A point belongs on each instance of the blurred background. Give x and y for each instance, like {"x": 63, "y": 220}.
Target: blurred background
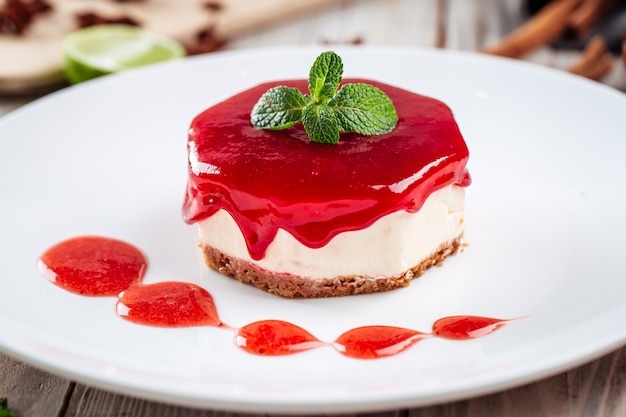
{"x": 585, "y": 37}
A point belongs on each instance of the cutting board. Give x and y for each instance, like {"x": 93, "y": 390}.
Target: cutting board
{"x": 33, "y": 62}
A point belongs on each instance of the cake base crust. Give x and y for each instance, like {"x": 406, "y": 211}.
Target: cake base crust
{"x": 292, "y": 286}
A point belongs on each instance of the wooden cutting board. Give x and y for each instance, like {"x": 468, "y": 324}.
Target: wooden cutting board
{"x": 33, "y": 62}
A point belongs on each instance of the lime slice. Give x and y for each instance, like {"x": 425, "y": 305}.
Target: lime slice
{"x": 105, "y": 49}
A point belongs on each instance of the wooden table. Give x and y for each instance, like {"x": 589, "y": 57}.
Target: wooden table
{"x": 595, "y": 389}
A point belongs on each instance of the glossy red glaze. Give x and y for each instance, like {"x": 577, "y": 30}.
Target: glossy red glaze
{"x": 93, "y": 265}
{"x": 275, "y": 337}
{"x": 168, "y": 304}
{"x": 371, "y": 342}
{"x": 268, "y": 179}
{"x": 466, "y": 327}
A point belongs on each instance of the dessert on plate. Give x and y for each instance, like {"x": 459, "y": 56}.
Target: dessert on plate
{"x": 364, "y": 198}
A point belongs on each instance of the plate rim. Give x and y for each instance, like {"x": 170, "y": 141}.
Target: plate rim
{"x": 347, "y": 406}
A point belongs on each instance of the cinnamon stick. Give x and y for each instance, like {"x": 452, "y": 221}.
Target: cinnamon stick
{"x": 440, "y": 34}
{"x": 585, "y": 17}
{"x": 546, "y": 26}
{"x": 595, "y": 61}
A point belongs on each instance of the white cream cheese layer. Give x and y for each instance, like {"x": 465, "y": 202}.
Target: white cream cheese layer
{"x": 392, "y": 245}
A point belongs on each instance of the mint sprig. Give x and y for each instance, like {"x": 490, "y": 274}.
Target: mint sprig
{"x": 327, "y": 111}
{"x": 4, "y": 409}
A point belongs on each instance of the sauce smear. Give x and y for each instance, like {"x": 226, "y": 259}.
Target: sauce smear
{"x": 466, "y": 327}
{"x": 93, "y": 265}
{"x": 371, "y": 342}
{"x": 168, "y": 304}
{"x": 275, "y": 337}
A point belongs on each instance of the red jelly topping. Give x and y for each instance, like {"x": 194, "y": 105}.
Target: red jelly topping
{"x": 271, "y": 179}
{"x": 372, "y": 342}
{"x": 168, "y": 304}
{"x": 93, "y": 265}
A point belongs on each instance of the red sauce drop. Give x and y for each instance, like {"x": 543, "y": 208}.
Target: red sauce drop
{"x": 466, "y": 327}
{"x": 93, "y": 265}
{"x": 102, "y": 266}
{"x": 168, "y": 304}
{"x": 271, "y": 179}
{"x": 275, "y": 337}
{"x": 371, "y": 342}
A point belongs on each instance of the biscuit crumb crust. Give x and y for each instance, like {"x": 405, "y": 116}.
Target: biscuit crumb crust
{"x": 293, "y": 286}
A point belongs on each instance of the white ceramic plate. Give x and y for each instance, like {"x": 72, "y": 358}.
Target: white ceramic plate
{"x": 545, "y": 228}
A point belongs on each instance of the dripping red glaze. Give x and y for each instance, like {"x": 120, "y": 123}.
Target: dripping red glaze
{"x": 466, "y": 327}
{"x": 168, "y": 304}
{"x": 93, "y": 265}
{"x": 275, "y": 337}
{"x": 316, "y": 191}
{"x": 371, "y": 342}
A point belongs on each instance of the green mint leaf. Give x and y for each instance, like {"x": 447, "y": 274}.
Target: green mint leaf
{"x": 359, "y": 108}
{"x": 4, "y": 409}
{"x": 279, "y": 108}
{"x": 325, "y": 76}
{"x": 363, "y": 109}
{"x": 320, "y": 123}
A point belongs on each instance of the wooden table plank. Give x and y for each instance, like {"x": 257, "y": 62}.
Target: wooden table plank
{"x": 32, "y": 392}
{"x": 595, "y": 389}
{"x": 375, "y": 22}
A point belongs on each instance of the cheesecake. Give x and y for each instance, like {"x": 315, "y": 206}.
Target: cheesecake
{"x": 297, "y": 218}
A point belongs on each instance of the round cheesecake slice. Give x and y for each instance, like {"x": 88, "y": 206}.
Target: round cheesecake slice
{"x": 303, "y": 219}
